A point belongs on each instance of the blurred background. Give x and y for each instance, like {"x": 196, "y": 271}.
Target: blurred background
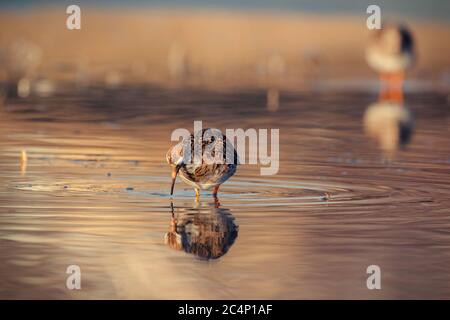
{"x": 299, "y": 45}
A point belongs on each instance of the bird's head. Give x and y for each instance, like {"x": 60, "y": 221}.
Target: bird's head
{"x": 174, "y": 158}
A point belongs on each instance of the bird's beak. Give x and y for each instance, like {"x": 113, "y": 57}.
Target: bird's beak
{"x": 174, "y": 177}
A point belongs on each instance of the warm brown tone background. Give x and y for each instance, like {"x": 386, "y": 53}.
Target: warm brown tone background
{"x": 219, "y": 47}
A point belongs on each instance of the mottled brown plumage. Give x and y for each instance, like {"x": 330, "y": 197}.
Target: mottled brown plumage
{"x": 207, "y": 168}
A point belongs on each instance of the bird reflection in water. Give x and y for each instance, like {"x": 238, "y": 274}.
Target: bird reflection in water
{"x": 389, "y": 122}
{"x": 206, "y": 232}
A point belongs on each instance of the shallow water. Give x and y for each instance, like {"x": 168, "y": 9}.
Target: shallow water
{"x": 94, "y": 193}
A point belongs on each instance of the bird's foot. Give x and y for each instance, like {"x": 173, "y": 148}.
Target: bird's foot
{"x": 197, "y": 195}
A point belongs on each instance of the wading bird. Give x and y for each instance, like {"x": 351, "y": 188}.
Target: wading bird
{"x": 390, "y": 53}
{"x": 215, "y": 165}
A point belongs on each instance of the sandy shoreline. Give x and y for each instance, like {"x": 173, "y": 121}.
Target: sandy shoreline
{"x": 208, "y": 48}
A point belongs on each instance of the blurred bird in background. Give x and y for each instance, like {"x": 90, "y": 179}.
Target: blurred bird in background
{"x": 390, "y": 52}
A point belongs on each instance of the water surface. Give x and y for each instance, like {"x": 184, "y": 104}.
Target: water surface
{"x": 94, "y": 192}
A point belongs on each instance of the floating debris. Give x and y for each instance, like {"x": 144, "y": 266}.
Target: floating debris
{"x": 24, "y": 156}
{"x": 23, "y": 162}
{"x": 326, "y": 197}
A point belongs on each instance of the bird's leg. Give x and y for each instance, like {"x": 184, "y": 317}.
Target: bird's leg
{"x": 216, "y": 202}
{"x": 197, "y": 195}
{"x": 173, "y": 225}
{"x": 216, "y": 199}
{"x": 384, "y": 87}
{"x": 215, "y": 190}
{"x": 173, "y": 221}
{"x": 396, "y": 87}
